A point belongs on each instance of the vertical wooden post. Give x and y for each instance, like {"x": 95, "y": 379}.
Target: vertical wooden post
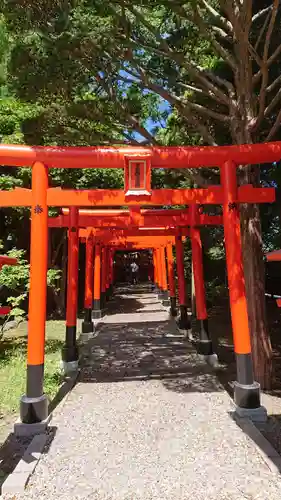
{"x": 155, "y": 276}
{"x": 104, "y": 271}
{"x": 165, "y": 295}
{"x": 246, "y": 390}
{"x": 111, "y": 263}
{"x": 184, "y": 320}
{"x": 159, "y": 273}
{"x": 70, "y": 349}
{"x": 205, "y": 345}
{"x": 34, "y": 404}
{"x": 107, "y": 274}
{"x": 97, "y": 283}
{"x": 87, "y": 324}
{"x": 171, "y": 279}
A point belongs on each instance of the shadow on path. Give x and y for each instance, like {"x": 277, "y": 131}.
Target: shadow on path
{"x": 146, "y": 350}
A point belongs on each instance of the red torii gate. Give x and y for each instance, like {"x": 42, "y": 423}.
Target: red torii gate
{"x": 246, "y": 390}
{"x": 139, "y": 218}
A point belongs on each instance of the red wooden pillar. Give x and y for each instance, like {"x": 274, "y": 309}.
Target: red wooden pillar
{"x": 112, "y": 270}
{"x": 107, "y": 273}
{"x": 171, "y": 279}
{"x": 150, "y": 272}
{"x": 104, "y": 271}
{"x": 97, "y": 283}
{"x": 159, "y": 273}
{"x": 184, "y": 321}
{"x": 111, "y": 264}
{"x": 155, "y": 270}
{"x": 70, "y": 349}
{"x": 87, "y": 324}
{"x": 34, "y": 404}
{"x": 205, "y": 345}
{"x": 165, "y": 295}
{"x": 246, "y": 390}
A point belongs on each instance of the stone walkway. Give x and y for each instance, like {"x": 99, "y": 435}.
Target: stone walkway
{"x": 148, "y": 420}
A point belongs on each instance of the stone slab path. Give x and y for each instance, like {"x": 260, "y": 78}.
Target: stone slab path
{"x": 148, "y": 420}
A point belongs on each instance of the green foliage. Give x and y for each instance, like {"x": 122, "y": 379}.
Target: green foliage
{"x": 13, "y": 364}
{"x": 16, "y": 280}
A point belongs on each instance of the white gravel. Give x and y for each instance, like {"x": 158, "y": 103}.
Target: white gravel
{"x": 127, "y": 433}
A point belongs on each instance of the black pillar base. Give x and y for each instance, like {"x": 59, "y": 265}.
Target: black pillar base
{"x": 107, "y": 295}
{"x": 246, "y": 390}
{"x": 96, "y": 314}
{"x": 87, "y": 327}
{"x": 160, "y": 294}
{"x": 205, "y": 345}
{"x": 173, "y": 308}
{"x": 97, "y": 309}
{"x": 70, "y": 350}
{"x": 70, "y": 353}
{"x": 165, "y": 298}
{"x": 102, "y": 300}
{"x": 33, "y": 410}
{"x": 184, "y": 321}
{"x": 247, "y": 396}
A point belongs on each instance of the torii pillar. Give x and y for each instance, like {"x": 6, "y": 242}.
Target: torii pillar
{"x": 205, "y": 345}
{"x": 34, "y": 403}
{"x": 70, "y": 354}
{"x": 87, "y": 324}
{"x": 171, "y": 279}
{"x": 97, "y": 284}
{"x": 165, "y": 294}
{"x": 246, "y": 389}
{"x": 155, "y": 269}
{"x": 104, "y": 271}
{"x": 184, "y": 322}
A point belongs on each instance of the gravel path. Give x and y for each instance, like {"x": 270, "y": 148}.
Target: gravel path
{"x": 148, "y": 420}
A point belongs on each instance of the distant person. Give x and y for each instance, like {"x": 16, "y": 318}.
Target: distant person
{"x": 134, "y": 271}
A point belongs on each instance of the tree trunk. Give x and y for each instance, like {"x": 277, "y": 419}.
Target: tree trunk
{"x": 255, "y": 284}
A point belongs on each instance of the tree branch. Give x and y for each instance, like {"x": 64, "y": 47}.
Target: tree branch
{"x": 206, "y": 32}
{"x": 261, "y": 13}
{"x": 274, "y": 128}
{"x": 264, "y": 68}
{"x": 261, "y": 33}
{"x": 273, "y": 84}
{"x": 270, "y": 61}
{"x": 196, "y": 72}
{"x": 273, "y": 103}
{"x": 208, "y": 138}
{"x": 217, "y": 16}
{"x": 199, "y": 91}
{"x": 130, "y": 118}
{"x": 270, "y": 29}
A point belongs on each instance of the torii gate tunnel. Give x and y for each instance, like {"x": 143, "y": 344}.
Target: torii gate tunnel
{"x": 137, "y": 163}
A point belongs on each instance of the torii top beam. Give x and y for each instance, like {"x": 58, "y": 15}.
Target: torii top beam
{"x": 124, "y": 221}
{"x": 160, "y": 157}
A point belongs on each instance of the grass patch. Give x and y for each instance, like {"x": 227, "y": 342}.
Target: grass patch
{"x": 13, "y": 348}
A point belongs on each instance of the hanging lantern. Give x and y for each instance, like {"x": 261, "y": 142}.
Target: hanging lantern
{"x": 137, "y": 176}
